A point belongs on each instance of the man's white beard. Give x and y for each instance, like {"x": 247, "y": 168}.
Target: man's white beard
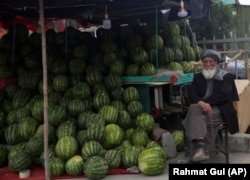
{"x": 209, "y": 74}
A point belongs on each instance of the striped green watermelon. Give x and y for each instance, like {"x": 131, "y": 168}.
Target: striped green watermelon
{"x": 66, "y": 128}
{"x": 77, "y": 106}
{"x": 139, "y": 137}
{"x": 130, "y": 93}
{"x": 154, "y": 41}
{"x": 134, "y": 108}
{"x": 95, "y": 167}
{"x": 60, "y": 83}
{"x": 117, "y": 67}
{"x": 74, "y": 166}
{"x": 56, "y": 166}
{"x": 145, "y": 121}
{"x": 130, "y": 156}
{"x": 27, "y": 127}
{"x": 119, "y": 104}
{"x": 94, "y": 77}
{"x": 66, "y": 147}
{"x": 124, "y": 119}
{"x": 57, "y": 114}
{"x": 11, "y": 134}
{"x": 148, "y": 69}
{"x": 81, "y": 90}
{"x": 95, "y": 132}
{"x": 92, "y": 148}
{"x": 189, "y": 54}
{"x": 20, "y": 147}
{"x": 21, "y": 98}
{"x": 113, "y": 158}
{"x": 174, "y": 66}
{"x": 114, "y": 135}
{"x": 139, "y": 56}
{"x": 152, "y": 161}
{"x": 109, "y": 113}
{"x": 112, "y": 81}
{"x": 35, "y": 146}
{"x": 132, "y": 69}
{"x": 20, "y": 161}
{"x": 166, "y": 55}
{"x": 81, "y": 137}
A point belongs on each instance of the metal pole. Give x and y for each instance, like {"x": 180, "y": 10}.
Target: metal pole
{"x": 45, "y": 93}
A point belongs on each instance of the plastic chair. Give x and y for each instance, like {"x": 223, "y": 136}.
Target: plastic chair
{"x": 221, "y": 142}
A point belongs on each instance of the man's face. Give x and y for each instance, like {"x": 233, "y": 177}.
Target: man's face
{"x": 209, "y": 67}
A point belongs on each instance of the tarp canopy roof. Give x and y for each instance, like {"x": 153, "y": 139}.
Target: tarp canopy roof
{"x": 90, "y": 10}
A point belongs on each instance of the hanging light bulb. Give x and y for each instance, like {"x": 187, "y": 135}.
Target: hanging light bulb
{"x": 106, "y": 22}
{"x": 182, "y": 12}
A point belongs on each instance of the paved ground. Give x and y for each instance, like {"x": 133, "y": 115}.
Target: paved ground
{"x": 234, "y": 158}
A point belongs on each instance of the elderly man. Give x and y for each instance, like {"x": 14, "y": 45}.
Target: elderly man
{"x": 211, "y": 94}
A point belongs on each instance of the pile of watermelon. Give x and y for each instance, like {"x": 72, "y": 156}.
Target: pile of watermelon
{"x": 178, "y": 52}
{"x": 95, "y": 123}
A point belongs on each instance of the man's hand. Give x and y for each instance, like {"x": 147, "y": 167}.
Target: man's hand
{"x": 205, "y": 107}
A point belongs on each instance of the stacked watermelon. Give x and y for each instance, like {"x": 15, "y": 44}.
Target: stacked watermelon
{"x": 95, "y": 124}
{"x": 184, "y": 52}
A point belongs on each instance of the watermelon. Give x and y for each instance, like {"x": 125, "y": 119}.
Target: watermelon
{"x": 174, "y": 66}
{"x": 27, "y": 127}
{"x": 139, "y": 137}
{"x": 20, "y": 161}
{"x": 117, "y": 67}
{"x": 81, "y": 90}
{"x": 132, "y": 70}
{"x": 166, "y": 55}
{"x": 74, "y": 165}
{"x": 67, "y": 128}
{"x": 95, "y": 167}
{"x": 178, "y": 137}
{"x": 187, "y": 66}
{"x": 57, "y": 114}
{"x": 134, "y": 41}
{"x": 112, "y": 81}
{"x": 66, "y": 147}
{"x": 11, "y": 134}
{"x": 109, "y": 113}
{"x": 154, "y": 41}
{"x": 130, "y": 94}
{"x": 130, "y": 156}
{"x": 114, "y": 135}
{"x": 101, "y": 99}
{"x": 134, "y": 108}
{"x": 124, "y": 119}
{"x": 21, "y": 97}
{"x": 56, "y": 166}
{"x": 113, "y": 158}
{"x": 95, "y": 132}
{"x": 20, "y": 147}
{"x": 81, "y": 137}
{"x": 92, "y": 148}
{"x": 139, "y": 56}
{"x": 119, "y": 104}
{"x": 148, "y": 69}
{"x": 35, "y": 146}
{"x": 145, "y": 121}
{"x": 152, "y": 161}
